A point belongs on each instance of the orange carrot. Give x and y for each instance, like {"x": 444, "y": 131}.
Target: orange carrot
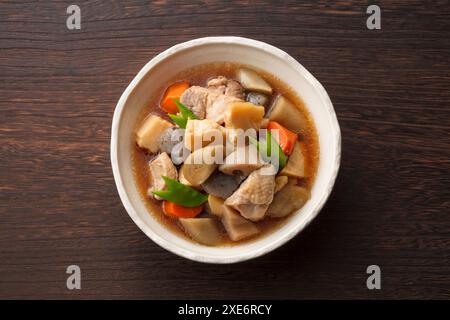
{"x": 286, "y": 138}
{"x": 177, "y": 211}
{"x": 173, "y": 92}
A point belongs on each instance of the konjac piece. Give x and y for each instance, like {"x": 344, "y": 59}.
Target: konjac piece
{"x": 221, "y": 185}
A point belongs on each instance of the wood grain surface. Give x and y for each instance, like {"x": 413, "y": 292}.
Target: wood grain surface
{"x": 390, "y": 205}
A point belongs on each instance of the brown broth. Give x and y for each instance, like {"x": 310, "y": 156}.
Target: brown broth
{"x": 199, "y": 76}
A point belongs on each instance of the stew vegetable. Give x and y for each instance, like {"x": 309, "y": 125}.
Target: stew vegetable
{"x": 229, "y": 154}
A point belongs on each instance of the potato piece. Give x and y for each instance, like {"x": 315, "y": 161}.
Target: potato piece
{"x": 215, "y": 206}
{"x": 204, "y": 230}
{"x": 150, "y": 131}
{"x": 287, "y": 114}
{"x": 244, "y": 115}
{"x": 200, "y": 133}
{"x": 251, "y": 81}
{"x": 288, "y": 200}
{"x": 237, "y": 227}
{"x": 295, "y": 166}
{"x": 200, "y": 164}
{"x": 280, "y": 182}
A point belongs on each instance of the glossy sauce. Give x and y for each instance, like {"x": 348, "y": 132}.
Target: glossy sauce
{"x": 199, "y": 76}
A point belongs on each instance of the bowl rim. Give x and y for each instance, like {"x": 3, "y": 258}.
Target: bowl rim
{"x": 205, "y": 258}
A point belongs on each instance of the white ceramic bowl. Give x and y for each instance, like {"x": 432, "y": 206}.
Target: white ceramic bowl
{"x": 223, "y": 49}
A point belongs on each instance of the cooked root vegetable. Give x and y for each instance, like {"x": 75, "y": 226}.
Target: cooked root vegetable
{"x": 176, "y": 211}
{"x": 181, "y": 194}
{"x": 215, "y": 206}
{"x": 257, "y": 99}
{"x": 221, "y": 185}
{"x": 295, "y": 166}
{"x": 173, "y": 92}
{"x": 243, "y": 115}
{"x": 289, "y": 199}
{"x": 280, "y": 182}
{"x": 183, "y": 180}
{"x": 287, "y": 114}
{"x": 204, "y": 230}
{"x": 200, "y": 164}
{"x": 236, "y": 226}
{"x": 200, "y": 133}
{"x": 159, "y": 167}
{"x": 251, "y": 81}
{"x": 233, "y": 156}
{"x": 286, "y": 138}
{"x": 264, "y": 123}
{"x": 242, "y": 161}
{"x": 149, "y": 133}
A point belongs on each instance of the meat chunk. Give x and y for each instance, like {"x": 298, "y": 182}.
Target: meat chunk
{"x": 159, "y": 167}
{"x": 216, "y": 109}
{"x": 212, "y": 102}
{"x": 228, "y": 87}
{"x": 195, "y": 99}
{"x": 255, "y": 194}
{"x": 237, "y": 227}
{"x": 243, "y": 160}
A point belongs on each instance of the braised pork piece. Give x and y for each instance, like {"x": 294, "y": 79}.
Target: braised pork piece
{"x": 225, "y": 154}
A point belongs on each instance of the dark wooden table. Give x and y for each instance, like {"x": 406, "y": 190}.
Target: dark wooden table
{"x": 390, "y": 205}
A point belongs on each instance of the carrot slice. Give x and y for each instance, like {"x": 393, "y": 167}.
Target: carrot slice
{"x": 286, "y": 138}
{"x": 173, "y": 92}
{"x": 177, "y": 211}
